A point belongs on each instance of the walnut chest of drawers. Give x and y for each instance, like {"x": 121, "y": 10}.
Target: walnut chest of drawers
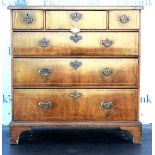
{"x": 75, "y": 67}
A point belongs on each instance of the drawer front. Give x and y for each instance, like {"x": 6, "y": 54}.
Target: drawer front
{"x": 67, "y": 44}
{"x": 79, "y": 104}
{"x": 80, "y": 19}
{"x": 75, "y": 72}
{"x": 124, "y": 19}
{"x": 28, "y": 19}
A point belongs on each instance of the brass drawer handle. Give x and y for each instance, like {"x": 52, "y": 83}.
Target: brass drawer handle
{"x": 106, "y": 104}
{"x": 45, "y": 105}
{"x": 44, "y": 42}
{"x": 124, "y": 19}
{"x": 45, "y": 72}
{"x": 28, "y": 18}
{"x": 75, "y": 38}
{"x": 75, "y": 95}
{"x": 76, "y": 16}
{"x": 106, "y": 71}
{"x": 75, "y": 64}
{"x": 106, "y": 43}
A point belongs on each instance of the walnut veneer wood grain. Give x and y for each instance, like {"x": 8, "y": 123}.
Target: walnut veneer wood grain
{"x": 123, "y": 44}
{"x": 37, "y": 23}
{"x": 65, "y": 107}
{"x": 133, "y": 23}
{"x": 90, "y": 73}
{"x": 88, "y": 20}
{"x": 75, "y": 67}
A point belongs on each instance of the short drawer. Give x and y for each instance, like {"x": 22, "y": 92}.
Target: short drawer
{"x": 28, "y": 19}
{"x": 39, "y": 72}
{"x": 68, "y": 44}
{"x": 75, "y": 104}
{"x": 124, "y": 19}
{"x": 80, "y": 19}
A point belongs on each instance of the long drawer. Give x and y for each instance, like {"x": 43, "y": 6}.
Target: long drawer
{"x": 71, "y": 104}
{"x": 68, "y": 44}
{"x": 42, "y": 72}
